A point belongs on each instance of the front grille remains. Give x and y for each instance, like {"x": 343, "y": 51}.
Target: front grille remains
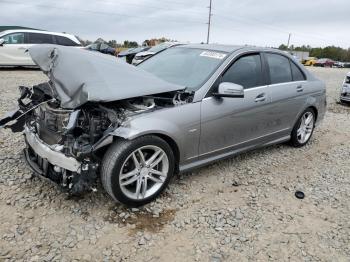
{"x": 50, "y": 123}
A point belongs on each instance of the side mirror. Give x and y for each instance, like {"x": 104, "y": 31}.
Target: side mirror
{"x": 2, "y": 41}
{"x": 227, "y": 89}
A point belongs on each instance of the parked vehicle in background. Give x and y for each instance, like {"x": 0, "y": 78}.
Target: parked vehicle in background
{"x": 324, "y": 62}
{"x": 139, "y": 57}
{"x": 310, "y": 61}
{"x": 345, "y": 91}
{"x": 338, "y": 64}
{"x": 102, "y": 48}
{"x": 14, "y": 43}
{"x": 135, "y": 127}
{"x": 129, "y": 54}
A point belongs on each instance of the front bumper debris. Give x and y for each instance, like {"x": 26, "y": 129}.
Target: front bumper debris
{"x": 47, "y": 161}
{"x": 50, "y": 153}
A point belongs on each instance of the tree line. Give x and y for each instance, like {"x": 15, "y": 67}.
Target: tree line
{"x": 127, "y": 43}
{"x": 332, "y": 52}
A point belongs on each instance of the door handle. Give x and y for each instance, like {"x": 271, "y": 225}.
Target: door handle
{"x": 260, "y": 98}
{"x": 21, "y": 48}
{"x": 300, "y": 88}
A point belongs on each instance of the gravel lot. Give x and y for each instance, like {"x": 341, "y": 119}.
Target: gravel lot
{"x": 241, "y": 209}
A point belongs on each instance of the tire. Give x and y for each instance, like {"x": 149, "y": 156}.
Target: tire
{"x": 344, "y": 102}
{"x": 296, "y": 136}
{"x": 119, "y": 162}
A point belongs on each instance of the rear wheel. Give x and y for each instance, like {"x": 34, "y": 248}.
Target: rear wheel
{"x": 135, "y": 172}
{"x": 303, "y": 129}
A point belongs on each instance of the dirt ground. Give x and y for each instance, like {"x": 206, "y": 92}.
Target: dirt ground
{"x": 240, "y": 209}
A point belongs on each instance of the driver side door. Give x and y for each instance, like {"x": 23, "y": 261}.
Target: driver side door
{"x": 229, "y": 124}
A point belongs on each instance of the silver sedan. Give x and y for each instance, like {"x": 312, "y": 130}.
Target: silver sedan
{"x": 188, "y": 106}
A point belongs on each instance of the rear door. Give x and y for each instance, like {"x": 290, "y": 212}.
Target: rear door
{"x": 287, "y": 89}
{"x": 13, "y": 51}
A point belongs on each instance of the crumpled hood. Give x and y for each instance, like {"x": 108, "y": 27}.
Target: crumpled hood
{"x": 79, "y": 76}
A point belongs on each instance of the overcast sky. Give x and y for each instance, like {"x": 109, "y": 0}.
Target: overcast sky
{"x": 252, "y": 22}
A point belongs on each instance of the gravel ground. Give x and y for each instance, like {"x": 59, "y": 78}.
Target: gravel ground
{"x": 241, "y": 209}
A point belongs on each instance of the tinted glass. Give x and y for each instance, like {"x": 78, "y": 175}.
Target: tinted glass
{"x": 184, "y": 66}
{"x": 246, "y": 71}
{"x": 36, "y": 38}
{"x": 280, "y": 71}
{"x": 297, "y": 74}
{"x": 16, "y": 38}
{"x": 61, "y": 40}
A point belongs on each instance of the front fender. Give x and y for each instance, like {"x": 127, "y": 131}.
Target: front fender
{"x": 140, "y": 128}
{"x": 181, "y": 124}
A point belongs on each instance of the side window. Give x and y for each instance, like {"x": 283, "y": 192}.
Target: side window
{"x": 16, "y": 38}
{"x": 61, "y": 40}
{"x": 246, "y": 71}
{"x": 37, "y": 38}
{"x": 279, "y": 66}
{"x": 296, "y": 72}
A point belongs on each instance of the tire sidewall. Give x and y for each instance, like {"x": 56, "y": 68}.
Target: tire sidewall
{"x": 133, "y": 145}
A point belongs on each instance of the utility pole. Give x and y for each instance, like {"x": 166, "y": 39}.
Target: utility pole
{"x": 209, "y": 22}
{"x": 289, "y": 40}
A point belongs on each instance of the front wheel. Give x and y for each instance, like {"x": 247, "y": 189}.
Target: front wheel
{"x": 303, "y": 128}
{"x": 135, "y": 172}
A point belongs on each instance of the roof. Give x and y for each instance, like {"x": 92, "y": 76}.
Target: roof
{"x": 4, "y": 28}
{"x": 215, "y": 47}
{"x": 70, "y": 36}
{"x": 34, "y": 31}
{"x": 233, "y": 48}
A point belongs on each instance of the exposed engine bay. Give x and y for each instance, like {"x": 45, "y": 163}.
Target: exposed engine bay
{"x": 80, "y": 134}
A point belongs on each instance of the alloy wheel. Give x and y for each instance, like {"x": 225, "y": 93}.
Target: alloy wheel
{"x": 144, "y": 172}
{"x": 306, "y": 127}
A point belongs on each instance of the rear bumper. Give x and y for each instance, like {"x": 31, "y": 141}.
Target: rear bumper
{"x": 51, "y": 154}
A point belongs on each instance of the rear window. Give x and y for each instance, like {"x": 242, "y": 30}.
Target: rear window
{"x": 298, "y": 75}
{"x": 280, "y": 71}
{"x": 37, "y": 38}
{"x": 61, "y": 40}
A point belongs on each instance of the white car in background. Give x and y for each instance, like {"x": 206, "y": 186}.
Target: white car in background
{"x": 14, "y": 43}
{"x": 345, "y": 91}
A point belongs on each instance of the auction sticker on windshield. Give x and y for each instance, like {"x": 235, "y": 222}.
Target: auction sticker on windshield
{"x": 212, "y": 54}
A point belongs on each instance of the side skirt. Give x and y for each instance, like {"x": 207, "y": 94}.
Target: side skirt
{"x": 209, "y": 160}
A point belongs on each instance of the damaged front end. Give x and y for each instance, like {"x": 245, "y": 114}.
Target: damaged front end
{"x": 66, "y": 146}
{"x": 61, "y": 143}
{"x": 68, "y": 121}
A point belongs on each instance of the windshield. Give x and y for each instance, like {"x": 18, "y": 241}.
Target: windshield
{"x": 184, "y": 66}
{"x": 160, "y": 47}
